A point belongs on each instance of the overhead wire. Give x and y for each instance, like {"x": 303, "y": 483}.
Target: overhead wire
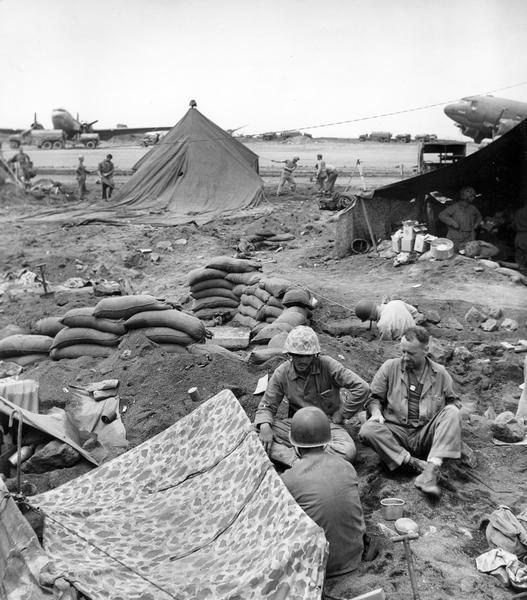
{"x": 331, "y": 124}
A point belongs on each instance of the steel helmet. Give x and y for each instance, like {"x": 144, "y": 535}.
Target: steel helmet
{"x": 302, "y": 340}
{"x": 365, "y": 310}
{"x": 309, "y": 428}
{"x": 296, "y": 158}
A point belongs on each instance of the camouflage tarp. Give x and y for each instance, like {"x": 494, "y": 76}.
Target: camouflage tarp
{"x": 196, "y": 512}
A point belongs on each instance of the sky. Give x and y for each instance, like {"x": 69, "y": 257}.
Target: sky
{"x": 265, "y": 64}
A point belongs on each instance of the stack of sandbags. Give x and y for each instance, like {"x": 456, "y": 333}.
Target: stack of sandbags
{"x": 212, "y": 287}
{"x": 48, "y": 326}
{"x": 94, "y": 331}
{"x": 260, "y": 301}
{"x": 263, "y": 240}
{"x": 172, "y": 329}
{"x": 25, "y": 349}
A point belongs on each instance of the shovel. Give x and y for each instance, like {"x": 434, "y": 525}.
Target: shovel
{"x": 47, "y": 291}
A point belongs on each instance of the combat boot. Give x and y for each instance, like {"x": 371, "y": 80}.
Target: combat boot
{"x": 427, "y": 482}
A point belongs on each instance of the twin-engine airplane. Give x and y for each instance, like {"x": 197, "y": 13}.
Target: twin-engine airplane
{"x": 481, "y": 117}
{"x": 72, "y": 128}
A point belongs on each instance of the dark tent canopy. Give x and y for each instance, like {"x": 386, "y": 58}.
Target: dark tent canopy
{"x": 197, "y": 169}
{"x": 498, "y": 171}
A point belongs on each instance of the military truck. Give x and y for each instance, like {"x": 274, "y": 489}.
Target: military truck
{"x": 52, "y": 138}
{"x": 403, "y": 137}
{"x": 376, "y": 136}
{"x": 425, "y": 137}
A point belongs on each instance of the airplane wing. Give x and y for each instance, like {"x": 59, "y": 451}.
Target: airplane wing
{"x": 106, "y": 134}
{"x": 10, "y": 131}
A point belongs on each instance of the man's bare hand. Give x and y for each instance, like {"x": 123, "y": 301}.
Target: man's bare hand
{"x": 337, "y": 418}
{"x": 266, "y": 436}
{"x": 376, "y": 415}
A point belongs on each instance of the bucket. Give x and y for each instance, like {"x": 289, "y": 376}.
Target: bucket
{"x": 442, "y": 248}
{"x": 392, "y": 508}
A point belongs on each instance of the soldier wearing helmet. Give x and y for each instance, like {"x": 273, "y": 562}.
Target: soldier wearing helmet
{"x": 309, "y": 379}
{"x": 393, "y": 318}
{"x": 287, "y": 174}
{"x": 462, "y": 218}
{"x": 326, "y": 488}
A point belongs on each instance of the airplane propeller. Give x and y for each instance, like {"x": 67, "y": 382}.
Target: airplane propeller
{"x": 36, "y": 124}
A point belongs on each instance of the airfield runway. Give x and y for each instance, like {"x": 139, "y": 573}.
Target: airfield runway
{"x": 376, "y": 158}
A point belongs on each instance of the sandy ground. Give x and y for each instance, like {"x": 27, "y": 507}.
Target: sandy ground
{"x": 154, "y": 384}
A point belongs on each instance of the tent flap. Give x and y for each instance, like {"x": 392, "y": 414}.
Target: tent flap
{"x": 193, "y": 512}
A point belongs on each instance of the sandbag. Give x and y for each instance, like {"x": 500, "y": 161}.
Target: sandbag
{"x": 239, "y": 289}
{"x": 210, "y": 284}
{"x": 174, "y": 348}
{"x": 248, "y": 311}
{"x": 276, "y": 286}
{"x": 175, "y": 319}
{"x": 267, "y": 311}
{"x": 245, "y": 278}
{"x": 253, "y": 301}
{"x": 269, "y": 331}
{"x": 218, "y": 291}
{"x": 11, "y": 329}
{"x": 281, "y": 237}
{"x": 261, "y": 294}
{"x": 260, "y": 355}
{"x": 166, "y": 335}
{"x": 123, "y": 307}
{"x": 297, "y": 297}
{"x": 208, "y": 314}
{"x": 212, "y": 349}
{"x": 294, "y": 315}
{"x": 79, "y": 350}
{"x": 213, "y": 302}
{"x": 270, "y": 319}
{"x": 27, "y": 359}
{"x": 83, "y": 317}
{"x": 202, "y": 274}
{"x": 244, "y": 321}
{"x": 49, "y": 326}
{"x": 275, "y": 302}
{"x": 21, "y": 344}
{"x": 278, "y": 340}
{"x": 70, "y": 336}
{"x": 234, "y": 265}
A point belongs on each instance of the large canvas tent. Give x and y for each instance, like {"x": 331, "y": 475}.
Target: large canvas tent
{"x": 498, "y": 172}
{"x": 197, "y": 169}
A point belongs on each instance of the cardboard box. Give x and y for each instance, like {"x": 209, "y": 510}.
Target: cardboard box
{"x": 407, "y": 244}
{"x": 421, "y": 243}
{"x": 396, "y": 241}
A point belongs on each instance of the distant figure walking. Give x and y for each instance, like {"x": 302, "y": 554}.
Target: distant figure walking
{"x": 80, "y": 174}
{"x": 23, "y": 165}
{"x": 320, "y": 173}
{"x": 287, "y": 174}
{"x": 106, "y": 170}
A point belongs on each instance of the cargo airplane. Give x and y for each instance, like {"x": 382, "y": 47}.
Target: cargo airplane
{"x": 73, "y": 127}
{"x": 481, "y": 117}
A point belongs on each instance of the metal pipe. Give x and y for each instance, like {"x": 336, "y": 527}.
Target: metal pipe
{"x": 18, "y": 445}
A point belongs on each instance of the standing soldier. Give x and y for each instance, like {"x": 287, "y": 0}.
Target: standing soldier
{"x": 106, "y": 170}
{"x": 81, "y": 173}
{"x": 23, "y": 165}
{"x": 287, "y": 174}
{"x": 320, "y": 173}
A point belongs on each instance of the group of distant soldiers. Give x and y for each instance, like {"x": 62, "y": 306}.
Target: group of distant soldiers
{"x": 325, "y": 175}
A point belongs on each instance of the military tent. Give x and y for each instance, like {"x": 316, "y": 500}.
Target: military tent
{"x": 196, "y": 170}
{"x": 197, "y": 511}
{"x": 497, "y": 171}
